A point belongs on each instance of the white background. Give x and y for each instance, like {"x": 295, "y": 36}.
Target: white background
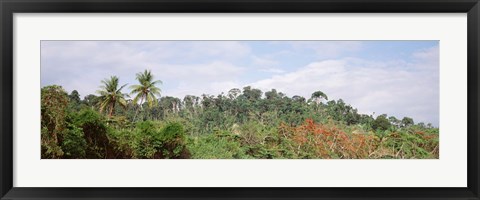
{"x": 448, "y": 171}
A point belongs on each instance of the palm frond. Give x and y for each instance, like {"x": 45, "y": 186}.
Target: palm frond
{"x": 121, "y": 87}
{"x": 157, "y": 82}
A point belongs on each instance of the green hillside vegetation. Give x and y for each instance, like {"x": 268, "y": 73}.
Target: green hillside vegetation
{"x": 242, "y": 124}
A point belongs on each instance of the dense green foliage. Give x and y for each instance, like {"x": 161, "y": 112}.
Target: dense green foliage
{"x": 53, "y": 114}
{"x": 244, "y": 123}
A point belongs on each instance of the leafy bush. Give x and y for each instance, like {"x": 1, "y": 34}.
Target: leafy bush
{"x": 123, "y": 141}
{"x": 95, "y": 133}
{"x": 53, "y": 113}
{"x": 252, "y": 133}
{"x": 221, "y": 145}
{"x": 147, "y": 140}
{"x": 155, "y": 142}
{"x": 173, "y": 141}
{"x": 74, "y": 143}
{"x": 256, "y": 138}
{"x": 412, "y": 144}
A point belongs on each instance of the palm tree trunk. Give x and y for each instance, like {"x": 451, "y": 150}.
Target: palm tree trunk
{"x": 136, "y": 112}
{"x": 111, "y": 110}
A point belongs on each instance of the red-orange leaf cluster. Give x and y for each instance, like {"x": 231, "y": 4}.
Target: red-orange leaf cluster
{"x": 328, "y": 141}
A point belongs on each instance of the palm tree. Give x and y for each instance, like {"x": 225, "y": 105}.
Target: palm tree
{"x": 317, "y": 98}
{"x": 110, "y": 95}
{"x": 146, "y": 90}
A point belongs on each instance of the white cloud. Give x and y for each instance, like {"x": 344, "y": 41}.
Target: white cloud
{"x": 328, "y": 49}
{"x": 217, "y": 70}
{"x": 273, "y": 70}
{"x": 264, "y": 64}
{"x": 212, "y": 78}
{"x": 218, "y": 49}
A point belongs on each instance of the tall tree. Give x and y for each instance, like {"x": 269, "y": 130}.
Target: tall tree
{"x": 407, "y": 121}
{"x": 74, "y": 100}
{"x": 110, "y": 95}
{"x": 318, "y": 96}
{"x": 381, "y": 123}
{"x": 74, "y": 96}
{"x": 146, "y": 90}
{"x": 233, "y": 93}
{"x": 252, "y": 94}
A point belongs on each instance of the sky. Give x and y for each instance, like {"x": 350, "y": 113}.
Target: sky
{"x": 398, "y": 78}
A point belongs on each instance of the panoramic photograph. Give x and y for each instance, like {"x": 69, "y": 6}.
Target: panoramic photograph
{"x": 239, "y": 99}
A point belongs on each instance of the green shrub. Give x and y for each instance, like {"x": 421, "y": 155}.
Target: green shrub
{"x": 155, "y": 142}
{"x": 412, "y": 144}
{"x": 54, "y": 103}
{"x": 173, "y": 140}
{"x": 95, "y": 133}
{"x": 147, "y": 140}
{"x": 74, "y": 143}
{"x": 216, "y": 146}
{"x": 259, "y": 140}
{"x": 252, "y": 133}
{"x": 123, "y": 142}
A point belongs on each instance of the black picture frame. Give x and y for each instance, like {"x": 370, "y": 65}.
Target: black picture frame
{"x": 9, "y": 7}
